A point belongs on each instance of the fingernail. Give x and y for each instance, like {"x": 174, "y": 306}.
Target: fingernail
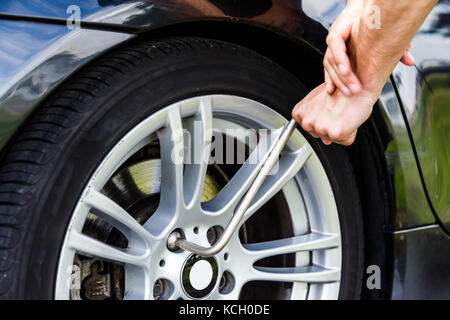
{"x": 411, "y": 57}
{"x": 328, "y": 86}
{"x": 346, "y": 91}
{"x": 342, "y": 69}
{"x": 354, "y": 88}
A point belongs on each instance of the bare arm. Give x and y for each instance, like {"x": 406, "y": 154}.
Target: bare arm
{"x": 338, "y": 71}
{"x": 374, "y": 53}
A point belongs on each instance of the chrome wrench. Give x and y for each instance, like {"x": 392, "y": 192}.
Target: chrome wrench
{"x": 176, "y": 241}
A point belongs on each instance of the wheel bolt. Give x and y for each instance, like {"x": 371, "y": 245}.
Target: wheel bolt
{"x": 211, "y": 235}
{"x": 223, "y": 283}
{"x": 158, "y": 289}
{"x": 172, "y": 240}
{"x": 227, "y": 283}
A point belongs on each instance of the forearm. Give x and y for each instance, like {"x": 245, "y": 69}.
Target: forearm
{"x": 375, "y": 50}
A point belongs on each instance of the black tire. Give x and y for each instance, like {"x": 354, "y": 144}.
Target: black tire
{"x": 51, "y": 160}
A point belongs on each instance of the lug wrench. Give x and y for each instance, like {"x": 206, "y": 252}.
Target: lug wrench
{"x": 176, "y": 241}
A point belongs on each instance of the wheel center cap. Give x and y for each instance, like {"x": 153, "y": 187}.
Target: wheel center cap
{"x": 199, "y": 276}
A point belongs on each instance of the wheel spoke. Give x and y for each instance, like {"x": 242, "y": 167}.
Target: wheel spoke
{"x": 90, "y": 246}
{"x": 230, "y": 195}
{"x": 112, "y": 213}
{"x": 172, "y": 157}
{"x": 288, "y": 166}
{"x": 200, "y": 131}
{"x": 309, "y": 274}
{"x": 307, "y": 242}
{"x": 137, "y": 283}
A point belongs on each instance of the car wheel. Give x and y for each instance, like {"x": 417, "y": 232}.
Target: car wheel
{"x": 90, "y": 191}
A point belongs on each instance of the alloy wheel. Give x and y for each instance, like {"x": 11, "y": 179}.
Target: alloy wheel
{"x": 140, "y": 262}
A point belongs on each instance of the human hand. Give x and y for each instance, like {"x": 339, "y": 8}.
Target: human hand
{"x": 336, "y": 117}
{"x": 337, "y": 67}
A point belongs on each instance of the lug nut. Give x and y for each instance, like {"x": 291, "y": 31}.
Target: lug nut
{"x": 211, "y": 235}
{"x": 227, "y": 283}
{"x": 158, "y": 289}
{"x": 172, "y": 240}
{"x": 223, "y": 283}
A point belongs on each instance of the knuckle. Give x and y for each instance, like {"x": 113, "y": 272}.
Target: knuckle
{"x": 296, "y": 114}
{"x": 337, "y": 134}
{"x": 321, "y": 130}
{"x": 346, "y": 143}
{"x": 307, "y": 125}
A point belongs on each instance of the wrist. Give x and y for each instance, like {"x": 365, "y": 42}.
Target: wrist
{"x": 367, "y": 96}
{"x": 370, "y": 61}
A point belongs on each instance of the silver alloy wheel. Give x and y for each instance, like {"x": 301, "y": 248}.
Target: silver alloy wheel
{"x": 301, "y": 178}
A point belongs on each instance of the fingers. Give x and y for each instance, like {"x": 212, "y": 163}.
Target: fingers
{"x": 336, "y": 43}
{"x": 305, "y": 112}
{"x": 337, "y": 63}
{"x": 341, "y": 76}
{"x": 313, "y": 116}
{"x": 330, "y": 87}
{"x": 327, "y": 134}
{"x": 335, "y": 78}
{"x": 407, "y": 58}
{"x": 342, "y": 137}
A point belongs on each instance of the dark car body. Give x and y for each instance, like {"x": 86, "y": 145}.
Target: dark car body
{"x": 409, "y": 128}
